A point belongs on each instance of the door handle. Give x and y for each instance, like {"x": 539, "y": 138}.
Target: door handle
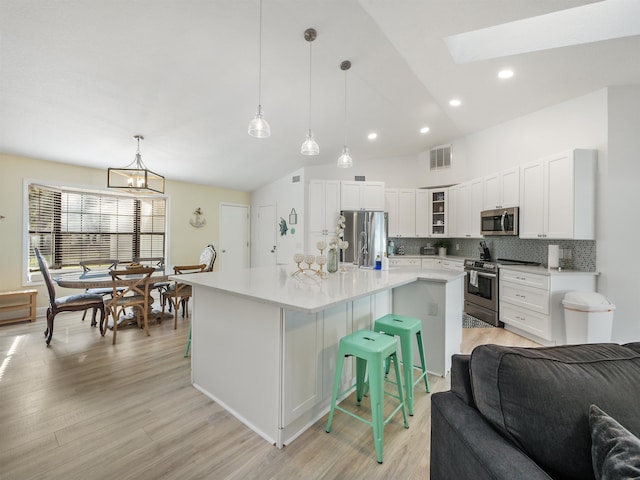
{"x": 274, "y": 249}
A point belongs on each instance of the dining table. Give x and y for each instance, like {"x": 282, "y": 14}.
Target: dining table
{"x": 102, "y": 279}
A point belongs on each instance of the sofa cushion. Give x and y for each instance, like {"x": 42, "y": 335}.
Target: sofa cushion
{"x": 615, "y": 451}
{"x": 540, "y": 397}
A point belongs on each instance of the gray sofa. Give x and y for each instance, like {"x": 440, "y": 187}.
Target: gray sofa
{"x": 539, "y": 413}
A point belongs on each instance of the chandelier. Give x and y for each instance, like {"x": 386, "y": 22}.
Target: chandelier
{"x": 135, "y": 177}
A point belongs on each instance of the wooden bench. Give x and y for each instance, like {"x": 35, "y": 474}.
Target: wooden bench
{"x": 18, "y": 301}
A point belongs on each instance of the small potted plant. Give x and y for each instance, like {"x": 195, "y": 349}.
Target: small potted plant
{"x": 442, "y": 246}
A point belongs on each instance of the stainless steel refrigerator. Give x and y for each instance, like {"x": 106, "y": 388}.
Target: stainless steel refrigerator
{"x": 366, "y": 233}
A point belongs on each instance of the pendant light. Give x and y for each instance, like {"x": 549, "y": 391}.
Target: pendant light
{"x": 345, "y": 160}
{"x": 258, "y": 127}
{"x": 310, "y": 146}
{"x": 135, "y": 177}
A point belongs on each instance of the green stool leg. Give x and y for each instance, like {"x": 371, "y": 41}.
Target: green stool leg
{"x": 186, "y": 352}
{"x": 423, "y": 362}
{"x": 336, "y": 386}
{"x": 361, "y": 370}
{"x": 376, "y": 394}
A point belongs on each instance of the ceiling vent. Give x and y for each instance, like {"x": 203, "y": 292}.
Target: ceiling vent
{"x": 440, "y": 157}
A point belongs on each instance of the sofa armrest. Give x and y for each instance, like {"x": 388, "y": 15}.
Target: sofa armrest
{"x": 465, "y": 446}
{"x": 461, "y": 378}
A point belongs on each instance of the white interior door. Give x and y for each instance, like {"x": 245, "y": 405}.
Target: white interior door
{"x": 234, "y": 236}
{"x": 265, "y": 251}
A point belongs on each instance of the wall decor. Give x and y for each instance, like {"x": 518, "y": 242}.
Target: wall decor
{"x": 198, "y": 220}
{"x": 283, "y": 227}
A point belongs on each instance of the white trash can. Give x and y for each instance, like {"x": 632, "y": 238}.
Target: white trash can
{"x": 588, "y": 317}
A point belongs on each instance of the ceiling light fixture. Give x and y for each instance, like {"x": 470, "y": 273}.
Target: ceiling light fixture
{"x": 505, "y": 74}
{"x": 424, "y": 130}
{"x": 454, "y": 102}
{"x": 135, "y": 177}
{"x": 259, "y": 127}
{"x": 345, "y": 160}
{"x": 310, "y": 146}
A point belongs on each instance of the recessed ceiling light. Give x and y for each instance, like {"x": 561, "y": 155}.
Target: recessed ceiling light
{"x": 504, "y": 74}
{"x": 372, "y": 136}
{"x": 424, "y": 129}
{"x": 455, "y": 102}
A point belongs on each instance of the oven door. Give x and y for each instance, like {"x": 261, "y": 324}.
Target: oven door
{"x": 485, "y": 293}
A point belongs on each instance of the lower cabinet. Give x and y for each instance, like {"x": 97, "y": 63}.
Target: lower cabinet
{"x": 531, "y": 303}
{"x": 405, "y": 262}
{"x": 311, "y": 351}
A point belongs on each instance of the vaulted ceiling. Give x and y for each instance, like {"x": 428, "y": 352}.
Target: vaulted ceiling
{"x": 80, "y": 78}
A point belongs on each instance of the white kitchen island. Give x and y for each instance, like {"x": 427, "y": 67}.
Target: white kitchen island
{"x": 264, "y": 342}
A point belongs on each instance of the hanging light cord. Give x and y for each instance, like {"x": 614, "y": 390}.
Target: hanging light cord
{"x": 260, "y": 60}
{"x": 345, "y": 108}
{"x": 310, "y": 62}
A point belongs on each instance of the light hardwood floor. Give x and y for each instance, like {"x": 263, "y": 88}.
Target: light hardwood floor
{"x": 86, "y": 409}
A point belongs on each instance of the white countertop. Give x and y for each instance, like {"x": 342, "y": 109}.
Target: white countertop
{"x": 545, "y": 270}
{"x": 310, "y": 293}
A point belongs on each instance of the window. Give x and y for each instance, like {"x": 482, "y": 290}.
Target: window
{"x": 69, "y": 226}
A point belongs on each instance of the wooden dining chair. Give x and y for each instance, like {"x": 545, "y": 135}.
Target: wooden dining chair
{"x": 130, "y": 288}
{"x": 70, "y": 303}
{"x": 104, "y": 291}
{"x": 178, "y": 294}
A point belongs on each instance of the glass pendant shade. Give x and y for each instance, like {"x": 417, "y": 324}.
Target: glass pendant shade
{"x": 259, "y": 127}
{"x": 345, "y": 160}
{"x": 310, "y": 146}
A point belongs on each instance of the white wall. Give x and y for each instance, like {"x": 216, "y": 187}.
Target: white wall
{"x": 617, "y": 240}
{"x": 285, "y": 195}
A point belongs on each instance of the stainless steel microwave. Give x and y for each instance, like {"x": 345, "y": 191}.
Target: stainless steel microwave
{"x": 502, "y": 221}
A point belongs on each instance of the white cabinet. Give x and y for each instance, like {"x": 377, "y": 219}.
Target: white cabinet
{"x": 422, "y": 213}
{"x": 405, "y": 262}
{"x": 323, "y": 208}
{"x": 361, "y": 195}
{"x": 448, "y": 264}
{"x": 557, "y": 196}
{"x": 438, "y": 214}
{"x": 531, "y": 303}
{"x": 431, "y": 263}
{"x": 466, "y": 199}
{"x": 502, "y": 189}
{"x": 400, "y": 203}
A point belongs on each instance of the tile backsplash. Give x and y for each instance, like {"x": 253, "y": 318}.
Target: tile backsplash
{"x": 579, "y": 254}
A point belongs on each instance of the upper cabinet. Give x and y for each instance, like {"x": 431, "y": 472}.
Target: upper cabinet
{"x": 423, "y": 205}
{"x": 323, "y": 208}
{"x": 362, "y": 195}
{"x": 466, "y": 205}
{"x": 557, "y": 196}
{"x": 502, "y": 189}
{"x": 438, "y": 214}
{"x": 400, "y": 203}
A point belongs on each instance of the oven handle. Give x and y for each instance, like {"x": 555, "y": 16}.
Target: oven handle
{"x": 485, "y": 275}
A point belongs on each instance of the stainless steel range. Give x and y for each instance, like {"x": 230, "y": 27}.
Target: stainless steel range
{"x": 481, "y": 288}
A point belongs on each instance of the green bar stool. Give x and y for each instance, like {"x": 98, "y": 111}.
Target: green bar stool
{"x": 406, "y": 328}
{"x": 186, "y": 352}
{"x": 371, "y": 350}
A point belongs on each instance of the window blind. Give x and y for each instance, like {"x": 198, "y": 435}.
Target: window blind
{"x": 69, "y": 226}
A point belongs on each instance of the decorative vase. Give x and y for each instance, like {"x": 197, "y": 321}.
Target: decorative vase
{"x": 442, "y": 251}
{"x": 332, "y": 261}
